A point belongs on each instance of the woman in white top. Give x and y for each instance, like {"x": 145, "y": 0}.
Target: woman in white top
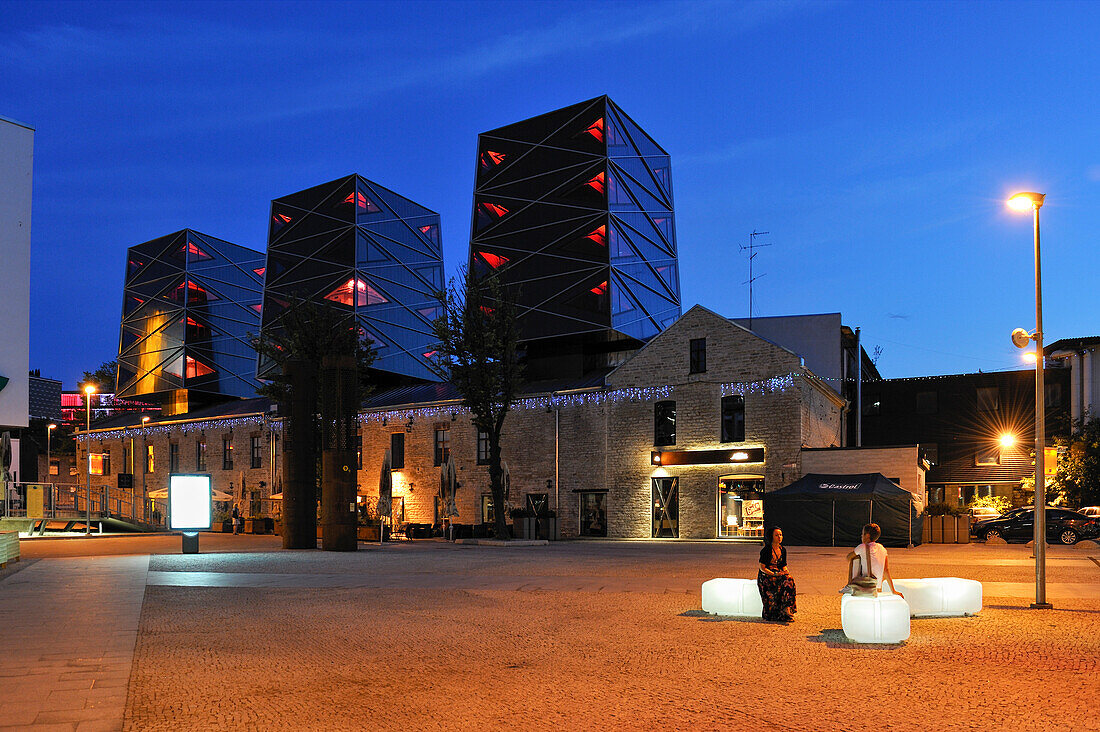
{"x": 879, "y": 561}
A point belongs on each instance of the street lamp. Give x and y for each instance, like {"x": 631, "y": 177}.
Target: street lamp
{"x": 49, "y": 433}
{"x": 1031, "y": 201}
{"x": 144, "y": 466}
{"x": 89, "y": 389}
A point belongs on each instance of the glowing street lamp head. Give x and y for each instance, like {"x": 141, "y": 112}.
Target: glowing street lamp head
{"x": 1008, "y": 440}
{"x": 144, "y": 420}
{"x": 1029, "y": 356}
{"x": 1026, "y": 201}
{"x": 51, "y": 427}
{"x": 89, "y": 389}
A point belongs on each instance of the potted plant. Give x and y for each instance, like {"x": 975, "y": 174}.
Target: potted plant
{"x": 523, "y": 523}
{"x": 370, "y": 526}
{"x": 222, "y": 522}
{"x": 256, "y": 525}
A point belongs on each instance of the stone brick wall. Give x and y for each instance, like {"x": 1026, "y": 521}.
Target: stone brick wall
{"x": 228, "y": 481}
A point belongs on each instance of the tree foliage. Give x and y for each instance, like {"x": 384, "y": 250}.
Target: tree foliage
{"x": 1077, "y": 482}
{"x": 308, "y": 331}
{"x": 478, "y": 339}
{"x": 103, "y": 377}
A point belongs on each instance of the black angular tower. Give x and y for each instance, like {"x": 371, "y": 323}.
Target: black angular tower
{"x": 190, "y": 300}
{"x": 360, "y": 246}
{"x": 574, "y": 210}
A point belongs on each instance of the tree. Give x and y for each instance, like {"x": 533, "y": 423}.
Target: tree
{"x": 310, "y": 333}
{"x": 477, "y": 352}
{"x": 1077, "y": 482}
{"x": 103, "y": 377}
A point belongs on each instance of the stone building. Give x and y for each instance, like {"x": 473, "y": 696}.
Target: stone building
{"x": 678, "y": 441}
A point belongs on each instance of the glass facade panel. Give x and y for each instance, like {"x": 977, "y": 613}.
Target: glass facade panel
{"x": 741, "y": 507}
{"x": 189, "y": 291}
{"x": 666, "y": 507}
{"x": 368, "y": 249}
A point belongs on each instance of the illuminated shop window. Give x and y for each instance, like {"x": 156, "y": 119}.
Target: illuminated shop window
{"x": 356, "y": 292}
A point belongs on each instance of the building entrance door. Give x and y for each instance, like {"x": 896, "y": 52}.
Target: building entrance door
{"x": 666, "y": 508}
{"x": 740, "y": 506}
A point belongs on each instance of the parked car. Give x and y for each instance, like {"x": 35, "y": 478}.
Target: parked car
{"x": 983, "y": 513}
{"x": 1092, "y": 512}
{"x": 1063, "y": 525}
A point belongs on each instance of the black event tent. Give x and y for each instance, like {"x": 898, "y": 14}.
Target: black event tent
{"x": 830, "y": 510}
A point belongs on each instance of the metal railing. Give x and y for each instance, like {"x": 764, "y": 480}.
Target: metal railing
{"x": 70, "y": 502}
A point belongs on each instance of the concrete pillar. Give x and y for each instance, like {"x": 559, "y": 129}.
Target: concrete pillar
{"x": 300, "y": 458}
{"x": 1087, "y": 377}
{"x": 339, "y": 411}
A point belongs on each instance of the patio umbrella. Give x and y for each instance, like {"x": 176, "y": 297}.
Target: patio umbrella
{"x": 161, "y": 494}
{"x": 385, "y": 487}
{"x": 451, "y": 484}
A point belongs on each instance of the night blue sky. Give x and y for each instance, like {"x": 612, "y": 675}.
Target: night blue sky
{"x": 874, "y": 141}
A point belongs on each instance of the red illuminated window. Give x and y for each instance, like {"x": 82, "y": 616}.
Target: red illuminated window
{"x": 197, "y": 368}
{"x": 487, "y": 310}
{"x": 196, "y": 253}
{"x": 260, "y": 271}
{"x": 430, "y": 354}
{"x": 356, "y": 292}
{"x": 598, "y": 184}
{"x": 600, "y": 289}
{"x": 495, "y": 209}
{"x": 490, "y": 159}
{"x": 596, "y": 129}
{"x": 493, "y": 260}
{"x": 195, "y": 292}
{"x": 599, "y": 236}
{"x": 258, "y": 308}
{"x": 431, "y": 232}
{"x": 362, "y": 202}
{"x": 280, "y": 219}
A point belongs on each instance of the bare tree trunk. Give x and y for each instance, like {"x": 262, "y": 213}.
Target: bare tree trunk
{"x": 300, "y": 459}
{"x": 339, "y": 408}
{"x": 496, "y": 485}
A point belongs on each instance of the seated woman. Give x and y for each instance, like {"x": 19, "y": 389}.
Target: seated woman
{"x": 870, "y": 554}
{"x": 777, "y": 592}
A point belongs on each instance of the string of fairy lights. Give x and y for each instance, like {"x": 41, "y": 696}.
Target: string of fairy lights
{"x": 772, "y": 385}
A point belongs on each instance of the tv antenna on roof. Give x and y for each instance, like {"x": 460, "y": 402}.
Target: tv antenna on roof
{"x": 752, "y": 246}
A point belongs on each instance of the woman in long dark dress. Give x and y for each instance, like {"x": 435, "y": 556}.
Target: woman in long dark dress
{"x": 776, "y": 585}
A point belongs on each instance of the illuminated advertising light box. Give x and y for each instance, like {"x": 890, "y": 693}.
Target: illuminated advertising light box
{"x": 190, "y": 502}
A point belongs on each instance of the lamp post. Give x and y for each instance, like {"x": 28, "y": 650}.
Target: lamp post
{"x": 89, "y": 389}
{"x": 49, "y": 433}
{"x": 144, "y": 466}
{"x": 1031, "y": 201}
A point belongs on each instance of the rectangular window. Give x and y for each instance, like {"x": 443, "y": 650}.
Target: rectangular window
{"x": 482, "y": 448}
{"x": 988, "y": 399}
{"x": 442, "y": 445}
{"x": 106, "y": 462}
{"x": 698, "y": 358}
{"x": 487, "y": 514}
{"x": 733, "y": 418}
{"x": 148, "y": 458}
{"x": 55, "y": 466}
{"x": 988, "y": 456}
{"x": 926, "y": 402}
{"x": 126, "y": 466}
{"x": 256, "y": 451}
{"x": 397, "y": 450}
{"x": 200, "y": 456}
{"x": 173, "y": 457}
{"x": 227, "y": 452}
{"x": 664, "y": 423}
{"x": 1053, "y": 395}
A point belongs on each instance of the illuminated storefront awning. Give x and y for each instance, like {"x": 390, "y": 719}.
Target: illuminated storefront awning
{"x": 708, "y": 457}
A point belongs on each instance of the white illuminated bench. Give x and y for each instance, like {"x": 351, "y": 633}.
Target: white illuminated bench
{"x": 726, "y": 596}
{"x": 940, "y": 597}
{"x": 882, "y": 619}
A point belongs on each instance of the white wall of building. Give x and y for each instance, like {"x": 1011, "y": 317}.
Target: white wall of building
{"x": 16, "y": 163}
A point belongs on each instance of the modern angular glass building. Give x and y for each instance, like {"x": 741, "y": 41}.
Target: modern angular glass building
{"x": 574, "y": 208}
{"x": 364, "y": 248}
{"x": 190, "y": 302}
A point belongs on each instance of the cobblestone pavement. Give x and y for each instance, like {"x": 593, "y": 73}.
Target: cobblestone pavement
{"x": 428, "y": 635}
